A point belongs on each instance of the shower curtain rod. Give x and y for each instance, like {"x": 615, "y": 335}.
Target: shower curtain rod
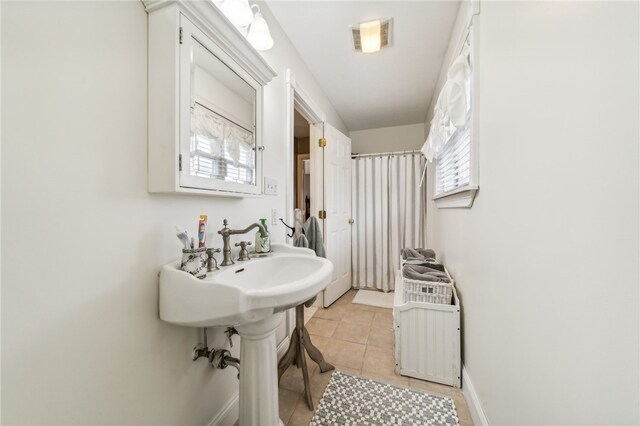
{"x": 382, "y": 154}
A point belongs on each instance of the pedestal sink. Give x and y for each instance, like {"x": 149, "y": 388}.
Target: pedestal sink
{"x": 250, "y": 296}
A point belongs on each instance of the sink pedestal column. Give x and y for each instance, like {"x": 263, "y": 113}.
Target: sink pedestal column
{"x": 259, "y": 373}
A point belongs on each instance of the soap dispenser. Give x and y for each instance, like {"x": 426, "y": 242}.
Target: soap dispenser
{"x": 263, "y": 244}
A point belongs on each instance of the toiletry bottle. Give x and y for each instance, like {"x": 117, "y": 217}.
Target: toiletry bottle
{"x": 263, "y": 244}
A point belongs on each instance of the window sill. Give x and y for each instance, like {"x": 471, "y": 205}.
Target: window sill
{"x": 459, "y": 198}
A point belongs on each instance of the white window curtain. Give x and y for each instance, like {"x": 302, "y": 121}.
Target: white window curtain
{"x": 390, "y": 212}
{"x": 452, "y": 112}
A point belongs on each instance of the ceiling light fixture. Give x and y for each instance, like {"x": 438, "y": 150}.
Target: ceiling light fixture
{"x": 238, "y": 12}
{"x": 371, "y": 36}
{"x": 259, "y": 35}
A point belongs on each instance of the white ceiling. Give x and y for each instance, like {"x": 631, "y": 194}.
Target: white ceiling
{"x": 389, "y": 88}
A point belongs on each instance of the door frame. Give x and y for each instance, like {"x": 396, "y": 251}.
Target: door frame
{"x": 298, "y": 99}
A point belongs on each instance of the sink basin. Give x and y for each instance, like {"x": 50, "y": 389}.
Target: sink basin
{"x": 246, "y": 292}
{"x": 251, "y": 296}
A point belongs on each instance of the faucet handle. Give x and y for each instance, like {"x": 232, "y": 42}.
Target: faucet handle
{"x": 244, "y": 253}
{"x": 212, "y": 263}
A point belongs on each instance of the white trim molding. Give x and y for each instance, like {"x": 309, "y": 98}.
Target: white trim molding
{"x": 229, "y": 414}
{"x": 473, "y": 402}
{"x": 296, "y": 98}
{"x": 212, "y": 21}
{"x": 458, "y": 198}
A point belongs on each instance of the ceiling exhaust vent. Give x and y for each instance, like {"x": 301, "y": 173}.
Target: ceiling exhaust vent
{"x": 369, "y": 37}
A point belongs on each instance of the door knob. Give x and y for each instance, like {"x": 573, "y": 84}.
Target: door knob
{"x": 351, "y": 221}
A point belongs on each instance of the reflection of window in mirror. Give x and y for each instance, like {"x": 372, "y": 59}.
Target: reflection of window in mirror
{"x": 222, "y": 144}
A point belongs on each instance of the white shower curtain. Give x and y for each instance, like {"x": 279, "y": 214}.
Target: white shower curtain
{"x": 390, "y": 212}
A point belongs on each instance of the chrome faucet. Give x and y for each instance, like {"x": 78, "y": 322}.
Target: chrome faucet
{"x": 227, "y": 233}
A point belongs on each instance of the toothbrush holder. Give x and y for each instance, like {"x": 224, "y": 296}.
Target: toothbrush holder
{"x": 194, "y": 261}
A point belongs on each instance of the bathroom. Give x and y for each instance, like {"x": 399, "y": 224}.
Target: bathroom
{"x": 545, "y": 259}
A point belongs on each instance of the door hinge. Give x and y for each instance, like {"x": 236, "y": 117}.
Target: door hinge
{"x": 322, "y": 214}
{"x": 180, "y": 35}
{"x": 180, "y": 162}
{"x": 322, "y": 142}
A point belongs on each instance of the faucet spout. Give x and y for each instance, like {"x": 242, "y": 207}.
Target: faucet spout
{"x": 263, "y": 231}
{"x": 226, "y": 236}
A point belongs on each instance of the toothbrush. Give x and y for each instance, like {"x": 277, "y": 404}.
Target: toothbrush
{"x": 183, "y": 236}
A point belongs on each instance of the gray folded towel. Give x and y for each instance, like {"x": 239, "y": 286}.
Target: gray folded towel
{"x": 424, "y": 273}
{"x": 301, "y": 241}
{"x": 427, "y": 253}
{"x": 432, "y": 265}
{"x": 417, "y": 253}
{"x": 313, "y": 232}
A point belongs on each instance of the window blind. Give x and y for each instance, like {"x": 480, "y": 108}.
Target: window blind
{"x": 220, "y": 149}
{"x": 453, "y": 165}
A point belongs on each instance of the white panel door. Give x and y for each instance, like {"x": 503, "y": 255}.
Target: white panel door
{"x": 337, "y": 203}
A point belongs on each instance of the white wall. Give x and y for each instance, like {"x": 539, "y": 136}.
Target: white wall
{"x": 82, "y": 341}
{"x": 385, "y": 139}
{"x": 546, "y": 260}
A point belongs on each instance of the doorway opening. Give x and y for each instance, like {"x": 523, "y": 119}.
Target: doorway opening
{"x": 302, "y": 164}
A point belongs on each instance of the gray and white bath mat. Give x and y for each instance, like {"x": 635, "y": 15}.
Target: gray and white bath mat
{"x": 353, "y": 400}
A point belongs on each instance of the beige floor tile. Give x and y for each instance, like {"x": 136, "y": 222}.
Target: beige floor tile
{"x": 292, "y": 380}
{"x": 379, "y": 361}
{"x": 346, "y": 298}
{"x": 380, "y": 336}
{"x": 358, "y": 317}
{"x": 321, "y": 327}
{"x": 319, "y": 342}
{"x": 353, "y": 371}
{"x": 345, "y": 354}
{"x": 302, "y": 415}
{"x": 319, "y": 382}
{"x": 352, "y": 332}
{"x": 333, "y": 312}
{"x": 435, "y": 388}
{"x": 360, "y": 307}
{"x": 287, "y": 400}
{"x": 383, "y": 318}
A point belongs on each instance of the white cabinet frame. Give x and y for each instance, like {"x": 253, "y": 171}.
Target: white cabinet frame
{"x": 169, "y": 114}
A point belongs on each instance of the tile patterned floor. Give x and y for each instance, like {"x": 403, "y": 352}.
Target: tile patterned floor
{"x": 357, "y": 339}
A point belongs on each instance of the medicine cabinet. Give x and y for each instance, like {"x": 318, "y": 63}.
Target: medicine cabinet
{"x": 205, "y": 102}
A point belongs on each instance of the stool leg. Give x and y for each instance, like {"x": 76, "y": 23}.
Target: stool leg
{"x": 314, "y": 353}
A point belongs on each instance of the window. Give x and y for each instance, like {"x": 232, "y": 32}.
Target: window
{"x": 452, "y": 142}
{"x": 453, "y": 165}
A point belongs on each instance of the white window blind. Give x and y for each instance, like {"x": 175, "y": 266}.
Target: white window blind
{"x": 453, "y": 165}
{"x": 220, "y": 149}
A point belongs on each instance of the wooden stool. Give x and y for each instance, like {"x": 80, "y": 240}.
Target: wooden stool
{"x": 300, "y": 341}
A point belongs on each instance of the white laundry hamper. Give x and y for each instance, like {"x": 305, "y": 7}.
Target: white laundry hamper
{"x": 427, "y": 337}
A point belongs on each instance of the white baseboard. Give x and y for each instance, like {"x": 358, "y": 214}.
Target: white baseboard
{"x": 473, "y": 402}
{"x": 229, "y": 414}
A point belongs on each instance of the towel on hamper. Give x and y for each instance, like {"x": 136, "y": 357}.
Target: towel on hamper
{"x": 417, "y": 253}
{"x": 424, "y": 273}
{"x": 313, "y": 232}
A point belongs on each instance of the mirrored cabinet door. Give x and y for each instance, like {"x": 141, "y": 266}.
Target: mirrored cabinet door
{"x": 219, "y": 130}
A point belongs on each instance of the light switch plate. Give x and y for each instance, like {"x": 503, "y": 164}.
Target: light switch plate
{"x": 274, "y": 217}
{"x": 270, "y": 186}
